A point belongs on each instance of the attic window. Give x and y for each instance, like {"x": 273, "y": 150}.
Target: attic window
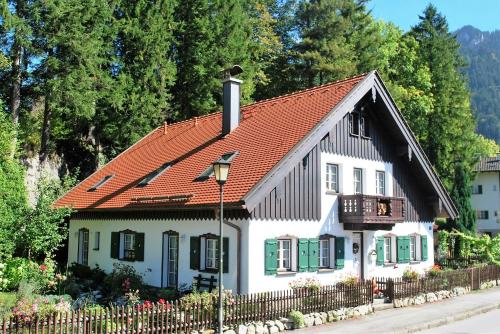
{"x": 209, "y": 172}
{"x": 153, "y": 175}
{"x": 354, "y": 124}
{"x": 101, "y": 182}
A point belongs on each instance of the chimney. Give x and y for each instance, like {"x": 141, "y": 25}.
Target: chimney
{"x": 231, "y": 96}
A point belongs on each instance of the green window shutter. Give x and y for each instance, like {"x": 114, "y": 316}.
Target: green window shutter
{"x": 380, "y": 251}
{"x": 423, "y": 241}
{"x": 407, "y": 249}
{"x": 225, "y": 256}
{"x": 271, "y": 260}
{"x": 194, "y": 253}
{"x": 313, "y": 254}
{"x": 339, "y": 252}
{"x": 139, "y": 247}
{"x": 401, "y": 249}
{"x": 303, "y": 249}
{"x": 115, "y": 245}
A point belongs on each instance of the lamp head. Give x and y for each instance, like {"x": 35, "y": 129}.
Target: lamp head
{"x": 221, "y": 171}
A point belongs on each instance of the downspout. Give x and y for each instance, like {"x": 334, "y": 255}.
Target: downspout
{"x": 238, "y": 265}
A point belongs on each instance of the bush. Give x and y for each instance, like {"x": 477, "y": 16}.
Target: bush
{"x": 167, "y": 294}
{"x": 298, "y": 319}
{"x": 311, "y": 284}
{"x": 410, "y": 275}
{"x": 19, "y": 269}
{"x": 123, "y": 279}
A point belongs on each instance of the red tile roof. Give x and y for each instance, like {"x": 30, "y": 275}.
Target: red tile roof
{"x": 268, "y": 130}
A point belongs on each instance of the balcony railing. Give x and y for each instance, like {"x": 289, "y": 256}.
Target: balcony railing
{"x": 369, "y": 209}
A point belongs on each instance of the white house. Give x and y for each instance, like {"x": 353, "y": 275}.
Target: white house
{"x": 486, "y": 195}
{"x": 324, "y": 183}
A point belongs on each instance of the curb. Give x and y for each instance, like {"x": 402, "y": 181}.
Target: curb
{"x": 450, "y": 319}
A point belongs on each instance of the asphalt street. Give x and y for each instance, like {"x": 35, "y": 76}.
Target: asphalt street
{"x": 486, "y": 323}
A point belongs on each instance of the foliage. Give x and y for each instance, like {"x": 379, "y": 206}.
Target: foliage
{"x": 41, "y": 276}
{"x": 43, "y": 228}
{"x": 434, "y": 271}
{"x": 208, "y": 300}
{"x": 123, "y": 279}
{"x": 461, "y": 194}
{"x": 311, "y": 284}
{"x": 410, "y": 275}
{"x": 483, "y": 246}
{"x": 298, "y": 319}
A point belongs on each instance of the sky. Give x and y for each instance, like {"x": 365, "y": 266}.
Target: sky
{"x": 482, "y": 14}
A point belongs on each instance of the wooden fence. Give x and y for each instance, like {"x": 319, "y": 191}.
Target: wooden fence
{"x": 396, "y": 288}
{"x": 177, "y": 318}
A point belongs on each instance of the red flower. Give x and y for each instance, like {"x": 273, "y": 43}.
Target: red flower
{"x": 161, "y": 301}
{"x": 43, "y": 267}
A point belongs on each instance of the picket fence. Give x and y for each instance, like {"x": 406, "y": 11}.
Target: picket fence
{"x": 176, "y": 318}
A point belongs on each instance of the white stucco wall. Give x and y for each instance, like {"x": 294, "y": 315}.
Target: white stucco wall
{"x": 150, "y": 268}
{"x": 488, "y": 200}
{"x": 260, "y": 230}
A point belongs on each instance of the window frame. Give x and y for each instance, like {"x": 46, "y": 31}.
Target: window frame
{"x": 211, "y": 239}
{"x": 364, "y": 127}
{"x": 97, "y": 240}
{"x": 388, "y": 256}
{"x": 322, "y": 255}
{"x": 279, "y": 256}
{"x": 354, "y": 124}
{"x": 83, "y": 252}
{"x": 328, "y": 178}
{"x": 482, "y": 214}
{"x": 360, "y": 181}
{"x": 413, "y": 248}
{"x": 379, "y": 173}
{"x": 167, "y": 271}
{"x": 129, "y": 253}
{"x": 101, "y": 182}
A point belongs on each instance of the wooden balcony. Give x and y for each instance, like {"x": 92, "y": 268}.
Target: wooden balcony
{"x": 368, "y": 212}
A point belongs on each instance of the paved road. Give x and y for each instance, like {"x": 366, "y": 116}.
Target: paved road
{"x": 416, "y": 318}
{"x": 486, "y": 323}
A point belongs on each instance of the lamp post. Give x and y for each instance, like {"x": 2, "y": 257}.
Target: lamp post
{"x": 221, "y": 171}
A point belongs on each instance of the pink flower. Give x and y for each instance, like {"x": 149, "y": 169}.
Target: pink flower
{"x": 161, "y": 301}
{"x": 43, "y": 267}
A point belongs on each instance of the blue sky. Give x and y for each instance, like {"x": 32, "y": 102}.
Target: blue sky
{"x": 482, "y": 14}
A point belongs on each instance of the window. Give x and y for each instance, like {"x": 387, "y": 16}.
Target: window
{"x": 413, "y": 248}
{"x": 364, "y": 127}
{"x": 380, "y": 182}
{"x": 494, "y": 187}
{"x": 101, "y": 182}
{"x": 129, "y": 246}
{"x": 152, "y": 176}
{"x": 387, "y": 249}
{"x": 354, "y": 124}
{"x": 211, "y": 254}
{"x": 173, "y": 242}
{"x": 477, "y": 189}
{"x": 209, "y": 172}
{"x": 358, "y": 180}
{"x": 83, "y": 247}
{"x": 332, "y": 178}
{"x": 97, "y": 240}
{"x": 482, "y": 214}
{"x": 324, "y": 253}
{"x": 284, "y": 255}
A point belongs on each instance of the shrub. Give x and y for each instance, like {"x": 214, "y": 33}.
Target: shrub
{"x": 410, "y": 275}
{"x": 123, "y": 279}
{"x": 434, "y": 271}
{"x": 311, "y": 284}
{"x": 298, "y": 319}
{"x": 206, "y": 299}
{"x": 19, "y": 269}
{"x": 167, "y": 294}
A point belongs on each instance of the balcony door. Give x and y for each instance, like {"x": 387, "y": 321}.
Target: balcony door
{"x": 170, "y": 259}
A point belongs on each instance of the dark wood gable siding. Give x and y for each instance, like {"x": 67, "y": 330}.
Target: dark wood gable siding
{"x": 381, "y": 147}
{"x": 339, "y": 141}
{"x": 297, "y": 196}
{"x": 406, "y": 184}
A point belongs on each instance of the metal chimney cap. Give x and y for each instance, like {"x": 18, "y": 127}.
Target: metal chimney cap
{"x": 232, "y": 71}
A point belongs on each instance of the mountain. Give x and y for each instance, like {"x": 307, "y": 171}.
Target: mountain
{"x": 481, "y": 51}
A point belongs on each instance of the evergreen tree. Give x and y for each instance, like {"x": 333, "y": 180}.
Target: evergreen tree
{"x": 450, "y": 124}
{"x": 323, "y": 51}
{"x": 461, "y": 194}
{"x": 143, "y": 72}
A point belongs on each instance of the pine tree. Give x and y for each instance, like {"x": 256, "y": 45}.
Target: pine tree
{"x": 450, "y": 124}
{"x": 461, "y": 194}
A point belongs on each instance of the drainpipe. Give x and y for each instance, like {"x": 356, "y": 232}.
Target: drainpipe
{"x": 238, "y": 266}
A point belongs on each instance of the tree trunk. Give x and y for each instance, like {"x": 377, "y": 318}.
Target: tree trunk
{"x": 15, "y": 93}
{"x": 44, "y": 145}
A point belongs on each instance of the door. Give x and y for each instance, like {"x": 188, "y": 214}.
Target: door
{"x": 357, "y": 252}
{"x": 170, "y": 260}
{"x": 83, "y": 247}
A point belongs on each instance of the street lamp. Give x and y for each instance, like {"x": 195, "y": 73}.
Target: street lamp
{"x": 221, "y": 171}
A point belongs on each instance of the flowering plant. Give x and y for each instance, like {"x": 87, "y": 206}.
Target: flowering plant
{"x": 311, "y": 284}
{"x": 410, "y": 275}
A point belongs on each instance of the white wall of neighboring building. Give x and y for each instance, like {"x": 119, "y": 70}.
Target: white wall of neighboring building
{"x": 151, "y": 268}
{"x": 489, "y": 200}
